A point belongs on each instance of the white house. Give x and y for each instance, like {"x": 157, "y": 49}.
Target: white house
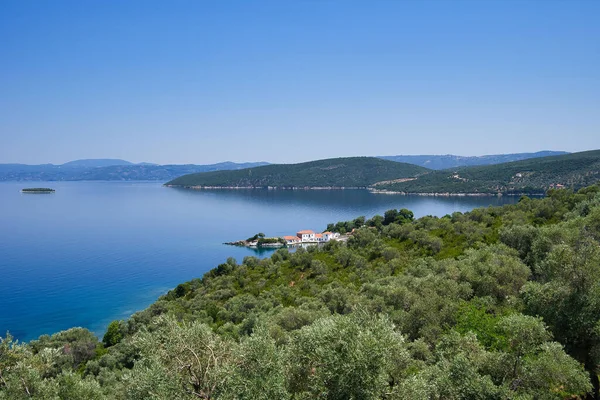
{"x": 327, "y": 236}
{"x": 306, "y": 236}
{"x": 292, "y": 239}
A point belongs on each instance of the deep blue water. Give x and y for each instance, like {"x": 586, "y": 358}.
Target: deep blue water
{"x": 97, "y": 251}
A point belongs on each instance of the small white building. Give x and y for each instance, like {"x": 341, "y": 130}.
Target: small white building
{"x": 327, "y": 236}
{"x": 306, "y": 236}
{"x": 292, "y": 239}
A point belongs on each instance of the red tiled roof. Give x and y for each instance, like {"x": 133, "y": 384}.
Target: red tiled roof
{"x": 305, "y": 232}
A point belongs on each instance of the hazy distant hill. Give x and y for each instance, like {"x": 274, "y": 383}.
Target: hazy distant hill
{"x": 96, "y": 162}
{"x": 112, "y": 170}
{"x": 452, "y": 161}
{"x": 334, "y": 172}
{"x": 535, "y": 175}
{"x": 158, "y": 172}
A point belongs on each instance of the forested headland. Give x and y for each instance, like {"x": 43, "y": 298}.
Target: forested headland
{"x": 496, "y": 303}
{"x": 531, "y": 176}
{"x": 350, "y": 172}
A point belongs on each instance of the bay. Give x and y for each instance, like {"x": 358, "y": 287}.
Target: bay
{"x": 93, "y": 252}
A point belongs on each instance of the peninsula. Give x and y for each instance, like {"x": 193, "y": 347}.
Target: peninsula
{"x": 532, "y": 176}
{"x": 333, "y": 173}
{"x": 302, "y": 237}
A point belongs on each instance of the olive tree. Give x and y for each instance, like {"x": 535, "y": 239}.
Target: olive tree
{"x": 351, "y": 356}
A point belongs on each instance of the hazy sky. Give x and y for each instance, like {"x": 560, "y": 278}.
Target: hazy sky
{"x": 285, "y": 81}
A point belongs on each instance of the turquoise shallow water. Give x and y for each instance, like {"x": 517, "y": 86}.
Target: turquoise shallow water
{"x": 97, "y": 251}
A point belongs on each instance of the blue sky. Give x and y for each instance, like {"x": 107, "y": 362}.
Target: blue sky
{"x": 287, "y": 81}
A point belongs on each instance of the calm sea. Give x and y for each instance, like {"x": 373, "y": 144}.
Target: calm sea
{"x": 97, "y": 251}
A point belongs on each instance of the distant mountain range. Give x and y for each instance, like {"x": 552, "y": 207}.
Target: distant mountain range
{"x": 97, "y": 163}
{"x": 110, "y": 170}
{"x": 116, "y": 169}
{"x": 452, "y": 161}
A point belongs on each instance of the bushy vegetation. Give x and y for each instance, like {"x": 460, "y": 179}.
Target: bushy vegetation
{"x": 274, "y": 240}
{"x": 497, "y": 303}
{"x": 532, "y": 176}
{"x": 335, "y": 172}
{"x": 259, "y": 235}
{"x": 398, "y": 217}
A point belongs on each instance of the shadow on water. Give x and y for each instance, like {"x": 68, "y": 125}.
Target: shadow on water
{"x": 352, "y": 198}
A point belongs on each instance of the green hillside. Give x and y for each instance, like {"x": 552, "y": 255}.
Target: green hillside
{"x": 574, "y": 170}
{"x": 335, "y": 172}
{"x": 497, "y": 303}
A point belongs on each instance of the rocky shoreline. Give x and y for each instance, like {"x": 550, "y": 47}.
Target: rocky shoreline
{"x": 245, "y": 243}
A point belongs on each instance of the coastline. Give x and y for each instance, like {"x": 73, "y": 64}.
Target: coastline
{"x": 269, "y": 187}
{"x": 452, "y": 194}
{"x": 371, "y": 190}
